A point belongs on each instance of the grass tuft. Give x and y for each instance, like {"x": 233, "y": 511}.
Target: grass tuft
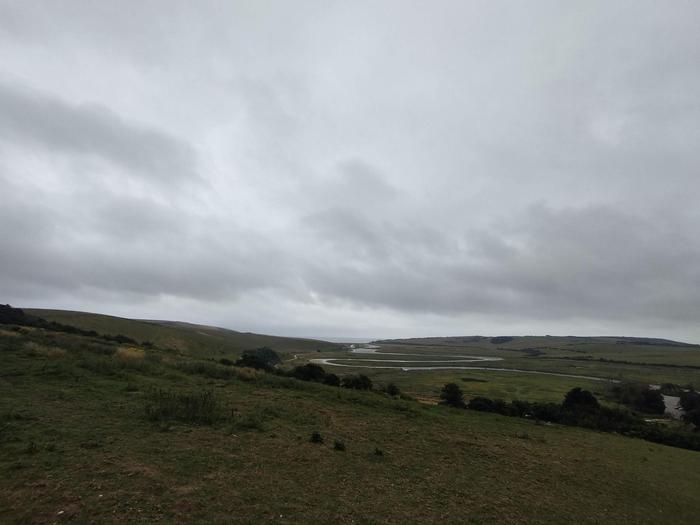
{"x": 195, "y": 408}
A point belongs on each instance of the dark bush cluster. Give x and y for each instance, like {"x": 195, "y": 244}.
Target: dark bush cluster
{"x": 266, "y": 359}
{"x": 315, "y": 373}
{"x": 356, "y": 382}
{"x": 263, "y": 358}
{"x": 581, "y": 408}
{"x": 639, "y": 397}
{"x": 690, "y": 403}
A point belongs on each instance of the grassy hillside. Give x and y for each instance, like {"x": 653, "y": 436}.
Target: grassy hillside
{"x": 190, "y": 338}
{"x": 91, "y": 431}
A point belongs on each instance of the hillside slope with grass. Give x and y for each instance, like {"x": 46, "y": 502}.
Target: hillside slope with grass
{"x": 199, "y": 340}
{"x": 96, "y": 431}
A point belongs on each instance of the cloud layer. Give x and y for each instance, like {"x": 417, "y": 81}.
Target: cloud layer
{"x": 356, "y": 169}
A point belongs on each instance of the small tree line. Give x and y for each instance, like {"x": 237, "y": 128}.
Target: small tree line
{"x": 266, "y": 359}
{"x": 581, "y": 408}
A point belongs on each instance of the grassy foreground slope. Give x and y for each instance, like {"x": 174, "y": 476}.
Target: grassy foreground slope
{"x": 192, "y": 338}
{"x": 76, "y": 445}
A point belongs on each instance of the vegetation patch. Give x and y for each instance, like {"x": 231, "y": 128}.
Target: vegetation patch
{"x": 201, "y": 407}
{"x": 130, "y": 353}
{"x": 37, "y": 350}
{"x": 581, "y": 408}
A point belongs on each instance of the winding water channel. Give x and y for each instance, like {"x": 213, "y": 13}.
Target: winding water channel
{"x": 456, "y": 362}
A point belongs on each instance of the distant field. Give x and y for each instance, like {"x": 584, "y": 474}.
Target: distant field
{"x": 196, "y": 339}
{"x": 619, "y": 359}
{"x": 77, "y": 446}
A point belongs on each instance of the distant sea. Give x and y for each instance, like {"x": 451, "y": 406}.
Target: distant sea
{"x": 345, "y": 339}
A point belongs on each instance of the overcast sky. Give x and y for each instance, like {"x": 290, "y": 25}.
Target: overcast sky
{"x": 379, "y": 168}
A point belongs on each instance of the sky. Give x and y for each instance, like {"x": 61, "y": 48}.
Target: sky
{"x": 362, "y": 169}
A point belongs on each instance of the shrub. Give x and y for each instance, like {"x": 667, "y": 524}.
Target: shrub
{"x": 225, "y": 362}
{"x": 309, "y": 372}
{"x": 392, "y": 390}
{"x": 263, "y": 358}
{"x": 520, "y": 408}
{"x": 253, "y": 361}
{"x": 190, "y": 407}
{"x": 482, "y": 404}
{"x": 332, "y": 380}
{"x": 316, "y": 437}
{"x": 338, "y": 445}
{"x": 640, "y": 397}
{"x": 689, "y": 401}
{"x": 693, "y": 417}
{"x": 546, "y": 412}
{"x": 652, "y": 401}
{"x": 357, "y": 382}
{"x": 451, "y": 395}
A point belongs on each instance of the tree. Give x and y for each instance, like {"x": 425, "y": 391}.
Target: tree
{"x": 578, "y": 400}
{"x": 451, "y": 395}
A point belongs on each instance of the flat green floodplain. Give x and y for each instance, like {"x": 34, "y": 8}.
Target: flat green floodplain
{"x": 614, "y": 359}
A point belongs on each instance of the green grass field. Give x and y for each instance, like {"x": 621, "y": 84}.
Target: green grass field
{"x": 77, "y": 445}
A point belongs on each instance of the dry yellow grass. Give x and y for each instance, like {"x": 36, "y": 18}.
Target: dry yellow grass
{"x": 248, "y": 374}
{"x": 37, "y": 350}
{"x": 130, "y": 353}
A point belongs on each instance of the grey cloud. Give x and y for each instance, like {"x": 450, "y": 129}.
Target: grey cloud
{"x": 317, "y": 162}
{"x": 49, "y": 123}
{"x": 576, "y": 262}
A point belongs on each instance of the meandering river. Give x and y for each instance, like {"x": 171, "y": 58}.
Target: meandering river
{"x": 456, "y": 362}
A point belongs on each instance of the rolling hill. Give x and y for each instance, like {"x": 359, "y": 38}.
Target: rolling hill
{"x": 198, "y": 340}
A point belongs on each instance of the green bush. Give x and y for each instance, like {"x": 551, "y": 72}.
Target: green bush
{"x": 357, "y": 382}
